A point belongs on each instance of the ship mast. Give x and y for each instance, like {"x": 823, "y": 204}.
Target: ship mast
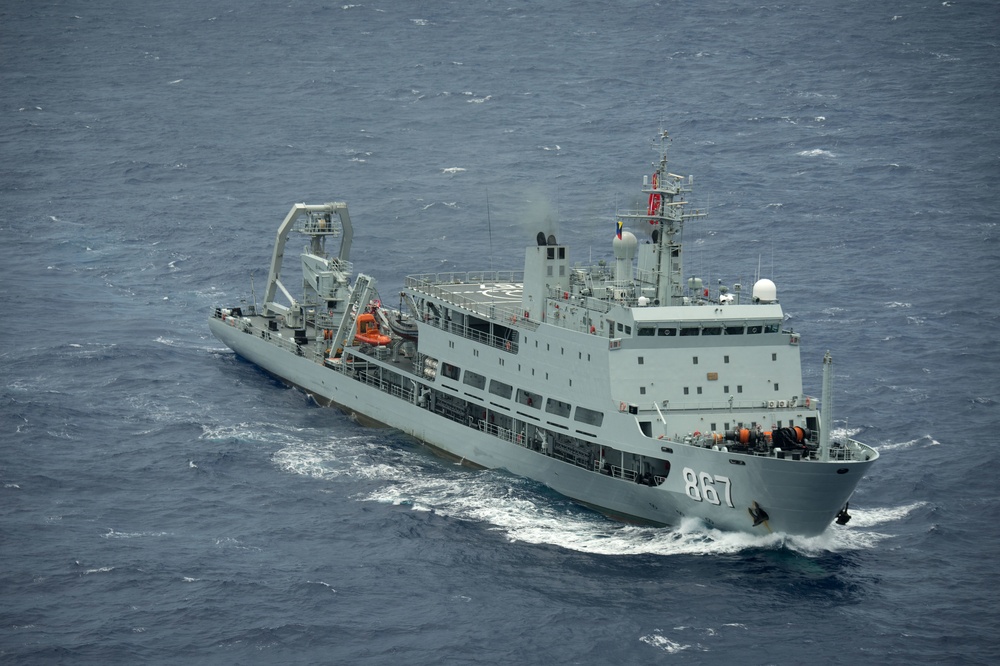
{"x": 826, "y": 416}
{"x": 665, "y": 211}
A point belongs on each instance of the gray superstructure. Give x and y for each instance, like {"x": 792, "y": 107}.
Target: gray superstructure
{"x": 623, "y": 386}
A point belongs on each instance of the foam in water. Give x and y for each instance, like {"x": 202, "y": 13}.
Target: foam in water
{"x": 658, "y": 640}
{"x": 924, "y": 441}
{"x": 510, "y": 506}
{"x": 817, "y": 152}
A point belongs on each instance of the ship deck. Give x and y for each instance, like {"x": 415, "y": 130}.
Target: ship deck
{"x": 490, "y": 293}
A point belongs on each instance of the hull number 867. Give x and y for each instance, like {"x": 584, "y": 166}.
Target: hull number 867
{"x": 706, "y": 487}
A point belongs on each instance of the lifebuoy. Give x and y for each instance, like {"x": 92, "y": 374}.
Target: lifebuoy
{"x": 654, "y": 204}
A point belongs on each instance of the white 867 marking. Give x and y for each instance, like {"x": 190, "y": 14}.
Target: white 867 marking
{"x": 702, "y": 487}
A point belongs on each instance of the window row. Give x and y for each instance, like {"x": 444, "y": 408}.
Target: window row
{"x": 672, "y": 331}
{"x": 525, "y": 397}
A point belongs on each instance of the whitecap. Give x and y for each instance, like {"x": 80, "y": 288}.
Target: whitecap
{"x": 111, "y": 534}
{"x": 452, "y": 170}
{"x": 816, "y": 152}
{"x": 660, "y": 641}
{"x": 925, "y": 440}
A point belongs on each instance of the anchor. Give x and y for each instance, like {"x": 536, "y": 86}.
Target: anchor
{"x": 759, "y": 515}
{"x": 843, "y": 517}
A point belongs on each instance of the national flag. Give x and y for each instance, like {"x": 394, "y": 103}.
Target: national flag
{"x": 620, "y": 229}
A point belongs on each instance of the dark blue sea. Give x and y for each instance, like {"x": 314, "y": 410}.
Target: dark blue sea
{"x": 164, "y": 502}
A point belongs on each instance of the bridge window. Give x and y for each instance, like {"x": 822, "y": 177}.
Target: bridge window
{"x": 666, "y": 332}
{"x": 450, "y": 371}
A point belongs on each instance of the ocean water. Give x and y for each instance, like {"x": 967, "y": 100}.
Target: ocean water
{"x": 165, "y": 502}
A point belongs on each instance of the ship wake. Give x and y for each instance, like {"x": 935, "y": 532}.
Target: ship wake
{"x": 523, "y": 511}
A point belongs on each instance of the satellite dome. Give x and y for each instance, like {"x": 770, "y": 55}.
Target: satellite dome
{"x": 764, "y": 291}
{"x": 625, "y": 246}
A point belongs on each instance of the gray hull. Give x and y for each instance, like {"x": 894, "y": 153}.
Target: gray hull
{"x": 801, "y": 499}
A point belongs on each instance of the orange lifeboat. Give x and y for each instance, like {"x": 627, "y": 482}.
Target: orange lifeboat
{"x": 368, "y": 331}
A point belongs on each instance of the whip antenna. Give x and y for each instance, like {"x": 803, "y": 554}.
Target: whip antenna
{"x": 489, "y": 227}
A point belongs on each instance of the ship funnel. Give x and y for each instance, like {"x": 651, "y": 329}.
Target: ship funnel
{"x": 552, "y": 239}
{"x": 540, "y": 239}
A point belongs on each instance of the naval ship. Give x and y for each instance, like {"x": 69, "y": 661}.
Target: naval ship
{"x": 634, "y": 391}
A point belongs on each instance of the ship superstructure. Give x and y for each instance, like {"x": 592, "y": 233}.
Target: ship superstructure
{"x": 623, "y": 386}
